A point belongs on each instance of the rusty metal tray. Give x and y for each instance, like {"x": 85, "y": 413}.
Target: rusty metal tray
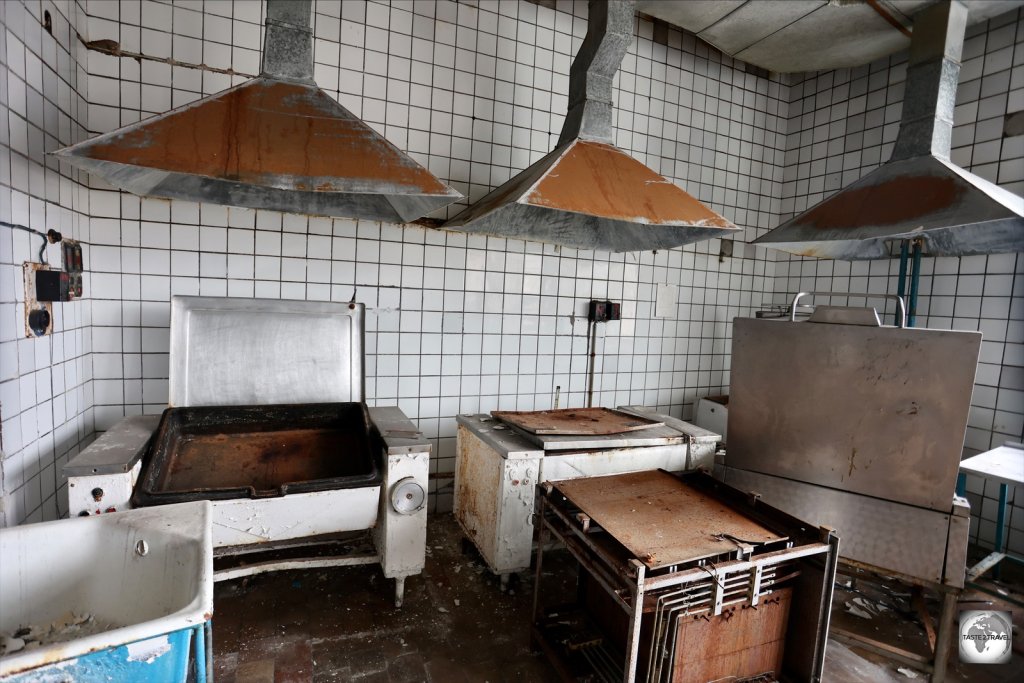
{"x": 575, "y": 421}
{"x": 225, "y": 452}
{"x": 662, "y": 520}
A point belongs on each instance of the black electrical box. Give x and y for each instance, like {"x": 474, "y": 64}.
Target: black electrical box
{"x": 73, "y": 264}
{"x": 53, "y": 285}
{"x": 603, "y": 311}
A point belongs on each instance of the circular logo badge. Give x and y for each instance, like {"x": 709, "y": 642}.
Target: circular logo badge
{"x": 985, "y": 637}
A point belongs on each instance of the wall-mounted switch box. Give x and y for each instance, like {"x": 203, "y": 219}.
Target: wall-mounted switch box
{"x": 74, "y": 266}
{"x": 53, "y": 285}
{"x": 38, "y": 314}
{"x": 603, "y": 311}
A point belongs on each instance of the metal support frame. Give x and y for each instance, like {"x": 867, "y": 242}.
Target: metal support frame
{"x": 1000, "y": 553}
{"x": 1000, "y": 524}
{"x": 628, "y": 584}
{"x": 302, "y": 563}
{"x": 637, "y": 591}
{"x": 996, "y": 557}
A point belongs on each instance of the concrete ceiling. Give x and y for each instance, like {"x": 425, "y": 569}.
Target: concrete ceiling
{"x": 806, "y": 35}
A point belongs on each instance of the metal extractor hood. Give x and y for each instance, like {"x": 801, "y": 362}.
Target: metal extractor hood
{"x": 919, "y": 194}
{"x": 274, "y": 142}
{"x": 587, "y": 193}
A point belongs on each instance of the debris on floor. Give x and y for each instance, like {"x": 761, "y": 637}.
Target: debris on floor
{"x": 458, "y": 626}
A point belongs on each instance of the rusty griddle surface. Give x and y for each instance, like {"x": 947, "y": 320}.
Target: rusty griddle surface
{"x": 264, "y": 460}
{"x": 268, "y": 132}
{"x": 599, "y": 179}
{"x": 257, "y": 451}
{"x": 661, "y": 520}
{"x": 575, "y": 421}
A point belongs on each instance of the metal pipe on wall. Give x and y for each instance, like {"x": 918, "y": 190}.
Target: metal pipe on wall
{"x": 901, "y": 286}
{"x": 915, "y": 281}
{"x": 592, "y": 352}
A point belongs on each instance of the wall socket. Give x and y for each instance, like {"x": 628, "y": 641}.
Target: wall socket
{"x": 38, "y": 314}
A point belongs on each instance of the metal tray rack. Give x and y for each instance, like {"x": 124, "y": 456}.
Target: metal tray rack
{"x": 682, "y": 577}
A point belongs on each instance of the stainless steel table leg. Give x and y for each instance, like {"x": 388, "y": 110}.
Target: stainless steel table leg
{"x": 1000, "y": 524}
{"x": 633, "y": 638}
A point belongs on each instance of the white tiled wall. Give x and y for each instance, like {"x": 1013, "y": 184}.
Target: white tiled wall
{"x": 456, "y": 322}
{"x": 841, "y": 125}
{"x": 45, "y": 388}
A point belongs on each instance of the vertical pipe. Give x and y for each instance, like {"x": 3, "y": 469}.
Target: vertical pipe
{"x": 592, "y": 348}
{"x": 199, "y": 634}
{"x": 915, "y": 281}
{"x": 208, "y": 628}
{"x": 961, "y": 484}
{"x": 901, "y": 285}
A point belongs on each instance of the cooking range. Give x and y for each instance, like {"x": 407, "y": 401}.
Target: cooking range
{"x": 501, "y": 458}
{"x": 267, "y": 420}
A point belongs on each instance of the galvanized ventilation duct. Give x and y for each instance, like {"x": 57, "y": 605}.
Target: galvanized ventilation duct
{"x": 919, "y": 194}
{"x": 274, "y": 142}
{"x": 587, "y": 193}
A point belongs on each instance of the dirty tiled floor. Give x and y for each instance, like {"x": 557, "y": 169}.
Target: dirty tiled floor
{"x": 341, "y": 624}
{"x": 334, "y": 625}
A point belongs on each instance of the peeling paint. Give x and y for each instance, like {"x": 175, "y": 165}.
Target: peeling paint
{"x": 148, "y": 651}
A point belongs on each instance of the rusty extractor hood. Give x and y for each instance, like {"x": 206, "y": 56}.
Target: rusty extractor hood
{"x": 274, "y": 142}
{"x": 919, "y": 194}
{"x": 587, "y": 193}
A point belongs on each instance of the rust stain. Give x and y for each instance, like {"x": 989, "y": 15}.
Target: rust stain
{"x": 900, "y": 200}
{"x": 266, "y": 132}
{"x": 59, "y": 653}
{"x": 598, "y": 179}
{"x": 476, "y": 488}
{"x": 263, "y": 460}
{"x": 575, "y": 421}
{"x": 203, "y": 450}
{"x": 660, "y": 519}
